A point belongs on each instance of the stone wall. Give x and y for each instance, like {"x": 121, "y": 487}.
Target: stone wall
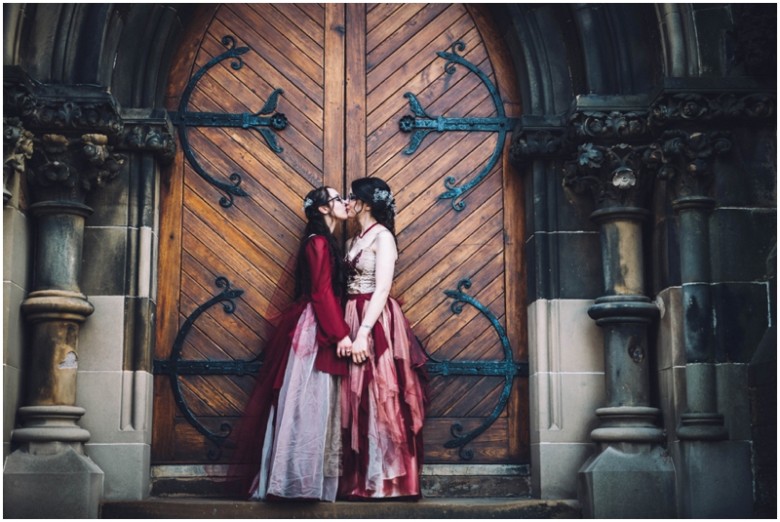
{"x": 17, "y": 255}
{"x": 565, "y": 346}
{"x": 115, "y": 379}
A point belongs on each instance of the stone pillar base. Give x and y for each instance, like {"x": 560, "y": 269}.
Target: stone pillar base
{"x": 714, "y": 479}
{"x": 63, "y": 484}
{"x": 627, "y": 481}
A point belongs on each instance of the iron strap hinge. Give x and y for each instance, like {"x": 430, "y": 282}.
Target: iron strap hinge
{"x": 486, "y": 368}
{"x": 419, "y": 124}
{"x": 182, "y": 119}
{"x": 442, "y": 124}
{"x": 243, "y": 120}
{"x": 207, "y": 367}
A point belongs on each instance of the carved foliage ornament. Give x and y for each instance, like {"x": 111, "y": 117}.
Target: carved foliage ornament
{"x": 530, "y": 144}
{"x": 154, "y": 138}
{"x": 672, "y": 108}
{"x": 695, "y": 107}
{"x": 609, "y": 125}
{"x": 78, "y": 110}
{"x": 17, "y": 149}
{"x": 687, "y": 158}
{"x": 63, "y": 167}
{"x": 616, "y": 175}
{"x": 62, "y": 111}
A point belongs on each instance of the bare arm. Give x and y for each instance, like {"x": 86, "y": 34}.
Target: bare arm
{"x": 386, "y": 255}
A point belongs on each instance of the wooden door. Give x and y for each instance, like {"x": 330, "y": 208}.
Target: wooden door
{"x": 231, "y": 213}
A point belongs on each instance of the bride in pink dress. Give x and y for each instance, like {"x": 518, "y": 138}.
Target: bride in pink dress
{"x": 289, "y": 441}
{"x": 383, "y": 398}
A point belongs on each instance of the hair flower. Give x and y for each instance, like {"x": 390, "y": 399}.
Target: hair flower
{"x": 383, "y": 195}
{"x": 307, "y": 203}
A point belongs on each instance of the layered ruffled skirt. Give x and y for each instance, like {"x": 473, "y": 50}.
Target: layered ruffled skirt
{"x": 383, "y": 409}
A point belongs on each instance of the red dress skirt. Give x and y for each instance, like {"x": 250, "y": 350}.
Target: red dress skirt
{"x": 383, "y": 409}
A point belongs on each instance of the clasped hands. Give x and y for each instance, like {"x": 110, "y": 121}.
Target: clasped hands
{"x": 357, "y": 349}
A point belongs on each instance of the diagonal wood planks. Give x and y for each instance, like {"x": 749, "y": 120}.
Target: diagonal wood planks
{"x": 344, "y": 69}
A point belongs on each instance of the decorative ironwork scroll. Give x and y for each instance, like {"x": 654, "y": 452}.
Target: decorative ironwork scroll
{"x": 174, "y": 366}
{"x": 507, "y": 368}
{"x": 258, "y": 121}
{"x": 420, "y": 124}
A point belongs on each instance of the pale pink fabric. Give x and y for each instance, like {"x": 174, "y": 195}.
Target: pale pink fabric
{"x": 301, "y": 454}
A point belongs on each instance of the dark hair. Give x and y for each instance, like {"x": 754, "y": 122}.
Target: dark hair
{"x": 378, "y": 195}
{"x": 316, "y": 225}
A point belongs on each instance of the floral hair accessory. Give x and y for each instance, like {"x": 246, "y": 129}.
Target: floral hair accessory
{"x": 383, "y": 195}
{"x": 307, "y": 203}
{"x": 386, "y": 196}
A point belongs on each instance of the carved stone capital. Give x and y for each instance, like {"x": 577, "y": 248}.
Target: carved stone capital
{"x": 608, "y": 125}
{"x": 77, "y": 110}
{"x": 62, "y": 109}
{"x": 702, "y": 107}
{"x": 530, "y": 144}
{"x": 610, "y": 122}
{"x": 147, "y": 131}
{"x": 616, "y": 175}
{"x": 64, "y": 168}
{"x": 17, "y": 149}
{"x": 686, "y": 160}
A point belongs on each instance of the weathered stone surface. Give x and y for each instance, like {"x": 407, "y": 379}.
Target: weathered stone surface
{"x": 123, "y": 482}
{"x": 628, "y": 482}
{"x": 742, "y": 319}
{"x": 556, "y": 478}
{"x": 553, "y": 273}
{"x": 741, "y": 242}
{"x": 50, "y": 486}
{"x": 714, "y": 479}
{"x": 425, "y": 508}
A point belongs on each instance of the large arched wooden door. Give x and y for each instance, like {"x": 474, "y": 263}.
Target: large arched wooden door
{"x": 272, "y": 100}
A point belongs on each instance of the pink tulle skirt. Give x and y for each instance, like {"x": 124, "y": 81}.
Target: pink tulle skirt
{"x": 301, "y": 449}
{"x": 383, "y": 409}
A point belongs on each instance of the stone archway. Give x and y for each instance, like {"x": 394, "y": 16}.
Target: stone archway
{"x": 617, "y": 52}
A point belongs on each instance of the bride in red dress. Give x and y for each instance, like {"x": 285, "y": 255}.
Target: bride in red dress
{"x": 289, "y": 441}
{"x": 383, "y": 400}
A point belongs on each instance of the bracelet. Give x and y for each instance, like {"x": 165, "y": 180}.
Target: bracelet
{"x": 365, "y": 326}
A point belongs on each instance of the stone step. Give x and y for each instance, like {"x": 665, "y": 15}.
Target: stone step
{"x": 436, "y": 481}
{"x": 426, "y": 508}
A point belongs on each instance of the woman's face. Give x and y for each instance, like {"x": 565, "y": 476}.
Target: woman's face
{"x": 337, "y": 204}
{"x": 354, "y": 206}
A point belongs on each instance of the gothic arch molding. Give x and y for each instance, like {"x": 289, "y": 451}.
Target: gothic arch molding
{"x": 125, "y": 48}
{"x": 563, "y": 51}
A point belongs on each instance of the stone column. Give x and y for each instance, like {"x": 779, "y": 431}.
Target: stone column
{"x": 49, "y": 475}
{"x": 632, "y": 475}
{"x": 714, "y": 472}
{"x": 687, "y": 165}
